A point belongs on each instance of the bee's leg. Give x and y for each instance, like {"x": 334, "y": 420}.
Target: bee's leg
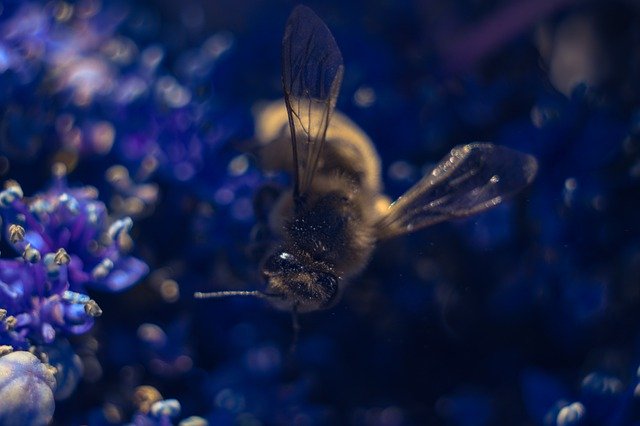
{"x": 261, "y": 241}
{"x": 261, "y": 236}
{"x": 296, "y": 327}
{"x": 265, "y": 199}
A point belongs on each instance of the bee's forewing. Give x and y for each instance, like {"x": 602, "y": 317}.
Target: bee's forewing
{"x": 312, "y": 70}
{"x": 472, "y": 178}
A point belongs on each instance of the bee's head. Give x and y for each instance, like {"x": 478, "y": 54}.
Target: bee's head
{"x": 298, "y": 282}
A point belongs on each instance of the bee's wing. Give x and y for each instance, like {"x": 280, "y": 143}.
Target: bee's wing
{"x": 471, "y": 179}
{"x": 312, "y": 72}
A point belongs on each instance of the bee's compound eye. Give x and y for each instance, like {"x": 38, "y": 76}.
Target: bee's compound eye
{"x": 287, "y": 257}
{"x": 279, "y": 263}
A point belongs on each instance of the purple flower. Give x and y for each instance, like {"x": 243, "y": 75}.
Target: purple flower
{"x": 69, "y": 52}
{"x": 60, "y": 37}
{"x": 166, "y": 352}
{"x": 155, "y": 411}
{"x": 94, "y": 246}
{"x": 26, "y": 390}
{"x": 67, "y": 242}
{"x": 37, "y": 304}
{"x": 604, "y": 399}
{"x": 131, "y": 197}
{"x": 68, "y": 365}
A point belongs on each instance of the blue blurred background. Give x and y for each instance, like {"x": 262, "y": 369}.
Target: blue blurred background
{"x": 527, "y": 314}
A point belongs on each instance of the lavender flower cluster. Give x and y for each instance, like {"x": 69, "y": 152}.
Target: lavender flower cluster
{"x": 129, "y": 182}
{"x": 67, "y": 243}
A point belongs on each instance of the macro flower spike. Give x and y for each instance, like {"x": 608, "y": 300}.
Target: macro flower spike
{"x": 66, "y": 243}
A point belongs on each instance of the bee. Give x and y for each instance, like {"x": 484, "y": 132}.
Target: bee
{"x": 328, "y": 224}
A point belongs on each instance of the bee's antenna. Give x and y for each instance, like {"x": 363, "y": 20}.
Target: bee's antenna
{"x": 216, "y": 294}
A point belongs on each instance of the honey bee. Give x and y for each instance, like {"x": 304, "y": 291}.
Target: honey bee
{"x": 329, "y": 222}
